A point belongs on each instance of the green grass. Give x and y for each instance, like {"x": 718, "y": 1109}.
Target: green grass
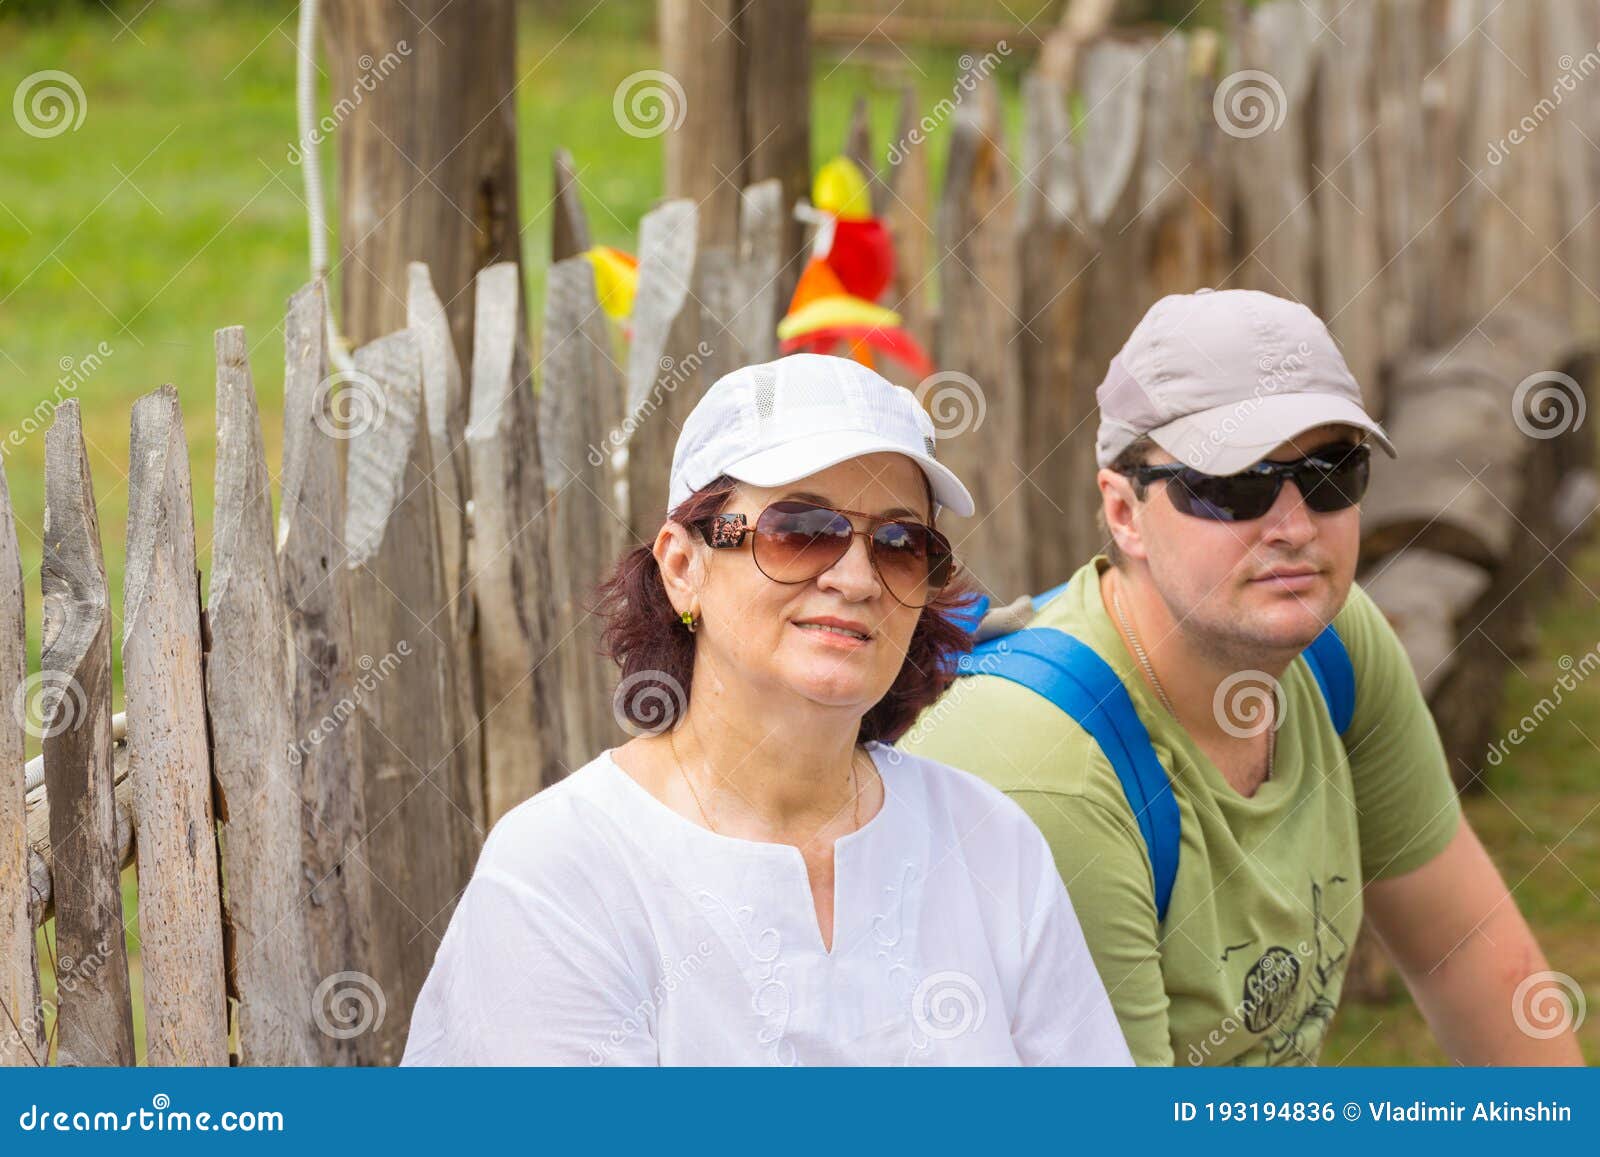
{"x": 173, "y": 211}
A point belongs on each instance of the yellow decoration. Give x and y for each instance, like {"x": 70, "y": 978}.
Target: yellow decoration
{"x": 616, "y": 280}
{"x": 841, "y": 189}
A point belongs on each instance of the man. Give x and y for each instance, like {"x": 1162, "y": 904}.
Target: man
{"x": 1284, "y": 830}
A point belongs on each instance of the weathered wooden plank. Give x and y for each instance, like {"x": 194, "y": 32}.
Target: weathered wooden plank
{"x": 1261, "y": 104}
{"x": 858, "y": 148}
{"x": 569, "y": 225}
{"x": 94, "y": 1020}
{"x": 180, "y": 902}
{"x": 1452, "y": 92}
{"x": 41, "y": 859}
{"x": 1345, "y": 147}
{"x": 524, "y": 748}
{"x": 776, "y": 94}
{"x": 1408, "y": 226}
{"x": 420, "y": 838}
{"x": 22, "y": 1039}
{"x": 1115, "y": 285}
{"x": 761, "y": 247}
{"x": 446, "y": 405}
{"x": 908, "y": 215}
{"x": 1053, "y": 252}
{"x": 255, "y": 757}
{"x": 580, "y": 424}
{"x": 975, "y": 398}
{"x": 1515, "y": 204}
{"x": 316, "y": 593}
{"x": 1570, "y": 32}
{"x": 700, "y": 94}
{"x": 666, "y": 271}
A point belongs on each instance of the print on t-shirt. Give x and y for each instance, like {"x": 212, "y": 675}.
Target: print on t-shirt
{"x": 1289, "y": 997}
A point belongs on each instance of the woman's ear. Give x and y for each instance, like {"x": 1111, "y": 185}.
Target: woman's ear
{"x": 680, "y": 554}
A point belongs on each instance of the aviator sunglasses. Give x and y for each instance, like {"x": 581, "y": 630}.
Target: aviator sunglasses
{"x": 795, "y": 541}
{"x": 1332, "y": 477}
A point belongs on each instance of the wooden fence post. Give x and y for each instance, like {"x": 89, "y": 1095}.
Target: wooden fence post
{"x": 760, "y": 270}
{"x": 22, "y": 1040}
{"x": 451, "y": 481}
{"x": 580, "y": 423}
{"x": 1054, "y": 256}
{"x": 180, "y": 901}
{"x": 1116, "y": 281}
{"x": 569, "y": 224}
{"x": 1261, "y": 104}
{"x": 421, "y": 839}
{"x": 255, "y": 752}
{"x": 316, "y": 593}
{"x": 94, "y": 1020}
{"x": 666, "y": 271}
{"x": 524, "y": 748}
{"x": 1348, "y": 209}
{"x": 908, "y": 215}
{"x": 975, "y": 398}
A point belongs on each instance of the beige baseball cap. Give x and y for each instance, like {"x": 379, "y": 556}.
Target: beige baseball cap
{"x": 1220, "y": 378}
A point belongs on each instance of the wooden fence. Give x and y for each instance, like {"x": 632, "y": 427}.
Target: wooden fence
{"x": 314, "y": 748}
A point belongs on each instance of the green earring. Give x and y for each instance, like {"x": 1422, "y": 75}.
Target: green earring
{"x": 687, "y": 619}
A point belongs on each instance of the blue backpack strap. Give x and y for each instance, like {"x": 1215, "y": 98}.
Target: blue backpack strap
{"x": 1330, "y": 666}
{"x": 1071, "y": 675}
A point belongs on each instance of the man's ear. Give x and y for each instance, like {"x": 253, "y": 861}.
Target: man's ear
{"x": 1120, "y": 509}
{"x": 680, "y": 554}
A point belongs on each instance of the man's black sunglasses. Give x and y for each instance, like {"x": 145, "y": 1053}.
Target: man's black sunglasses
{"x": 1330, "y": 478}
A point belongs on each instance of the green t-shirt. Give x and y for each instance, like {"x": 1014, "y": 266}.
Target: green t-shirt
{"x": 1248, "y": 965}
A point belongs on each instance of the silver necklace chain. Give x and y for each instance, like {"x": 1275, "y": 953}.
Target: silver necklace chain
{"x": 1144, "y": 661}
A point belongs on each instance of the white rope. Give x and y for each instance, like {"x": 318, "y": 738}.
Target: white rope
{"x": 311, "y": 168}
{"x": 33, "y": 772}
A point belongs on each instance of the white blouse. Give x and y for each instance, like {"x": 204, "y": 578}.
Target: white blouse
{"x": 602, "y": 927}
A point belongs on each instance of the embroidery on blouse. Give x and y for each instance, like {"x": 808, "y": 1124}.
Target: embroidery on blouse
{"x": 770, "y": 1000}
{"x": 888, "y": 934}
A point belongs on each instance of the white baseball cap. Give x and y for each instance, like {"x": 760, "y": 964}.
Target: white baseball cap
{"x": 778, "y": 422}
{"x": 1219, "y": 378}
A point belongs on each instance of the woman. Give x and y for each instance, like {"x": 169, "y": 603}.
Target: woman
{"x": 757, "y": 878}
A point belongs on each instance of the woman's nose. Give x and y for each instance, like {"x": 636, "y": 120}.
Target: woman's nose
{"x": 853, "y": 575}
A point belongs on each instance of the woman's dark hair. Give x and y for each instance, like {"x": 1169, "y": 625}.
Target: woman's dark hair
{"x": 644, "y": 637}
